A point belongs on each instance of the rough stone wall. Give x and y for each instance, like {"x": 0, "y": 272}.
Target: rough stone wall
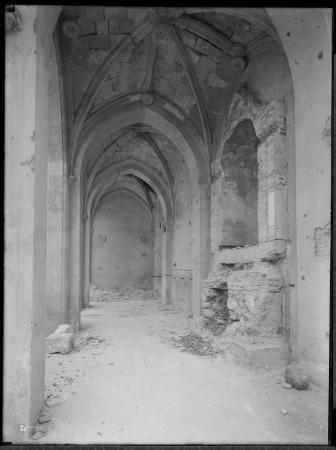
{"x": 122, "y": 259}
{"x": 182, "y": 266}
{"x": 254, "y": 275}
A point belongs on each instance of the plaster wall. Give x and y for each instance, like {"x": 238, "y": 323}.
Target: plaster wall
{"x": 122, "y": 260}
{"x": 308, "y": 47}
{"x": 27, "y": 53}
{"x": 183, "y": 251}
{"x": 54, "y": 290}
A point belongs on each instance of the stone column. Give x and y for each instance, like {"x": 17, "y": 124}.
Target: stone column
{"x": 201, "y": 242}
{"x": 75, "y": 252}
{"x": 26, "y": 145}
{"x": 87, "y": 260}
{"x": 167, "y": 261}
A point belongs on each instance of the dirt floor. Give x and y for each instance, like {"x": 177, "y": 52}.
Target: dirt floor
{"x": 131, "y": 379}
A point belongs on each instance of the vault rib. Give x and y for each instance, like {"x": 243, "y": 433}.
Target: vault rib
{"x": 125, "y": 46}
{"x": 194, "y": 85}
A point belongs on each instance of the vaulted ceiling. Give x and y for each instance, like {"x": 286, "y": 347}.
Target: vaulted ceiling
{"x": 191, "y": 60}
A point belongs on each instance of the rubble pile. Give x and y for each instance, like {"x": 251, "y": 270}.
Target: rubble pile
{"x": 97, "y": 294}
{"x": 194, "y": 344}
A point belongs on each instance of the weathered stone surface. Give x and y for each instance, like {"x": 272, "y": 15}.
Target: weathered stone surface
{"x": 295, "y": 376}
{"x": 270, "y": 353}
{"x": 206, "y": 305}
{"x": 64, "y": 329}
{"x": 189, "y": 39}
{"x": 44, "y": 418}
{"x": 102, "y": 27}
{"x": 53, "y": 402}
{"x": 208, "y": 313}
{"x": 59, "y": 343}
{"x": 202, "y": 46}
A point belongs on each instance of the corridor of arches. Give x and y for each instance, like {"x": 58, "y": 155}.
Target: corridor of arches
{"x": 167, "y": 152}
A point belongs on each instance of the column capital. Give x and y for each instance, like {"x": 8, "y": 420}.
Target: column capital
{"x": 13, "y": 20}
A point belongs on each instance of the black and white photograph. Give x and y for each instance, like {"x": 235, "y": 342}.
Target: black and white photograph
{"x": 167, "y": 237}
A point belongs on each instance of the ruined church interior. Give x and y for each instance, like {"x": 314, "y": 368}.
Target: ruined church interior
{"x": 167, "y": 225}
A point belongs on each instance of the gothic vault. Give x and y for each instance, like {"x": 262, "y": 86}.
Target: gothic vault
{"x": 184, "y": 150}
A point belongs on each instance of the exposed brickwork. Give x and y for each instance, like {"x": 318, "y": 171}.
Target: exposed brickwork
{"x": 322, "y": 242}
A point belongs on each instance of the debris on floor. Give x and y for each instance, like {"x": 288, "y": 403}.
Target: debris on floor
{"x": 284, "y": 411}
{"x": 53, "y": 402}
{"x": 89, "y": 339}
{"x": 296, "y": 376}
{"x": 194, "y": 344}
{"x": 97, "y": 294}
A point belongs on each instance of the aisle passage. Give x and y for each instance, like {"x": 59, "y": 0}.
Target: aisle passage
{"x": 126, "y": 383}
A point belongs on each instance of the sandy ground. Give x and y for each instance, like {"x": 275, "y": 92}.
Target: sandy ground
{"x": 137, "y": 388}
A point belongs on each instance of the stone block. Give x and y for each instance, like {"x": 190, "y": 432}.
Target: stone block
{"x": 215, "y": 54}
{"x": 80, "y": 44}
{"x": 113, "y": 26}
{"x": 116, "y": 13}
{"x": 269, "y": 354}
{"x": 53, "y": 402}
{"x": 189, "y": 39}
{"x": 208, "y": 313}
{"x": 101, "y": 42}
{"x": 202, "y": 46}
{"x": 206, "y": 305}
{"x": 194, "y": 56}
{"x": 87, "y": 27}
{"x": 137, "y": 14}
{"x": 124, "y": 26}
{"x": 94, "y": 13}
{"x": 295, "y": 376}
{"x": 60, "y": 343}
{"x": 224, "y": 70}
{"x": 102, "y": 27}
{"x": 64, "y": 329}
{"x": 204, "y": 67}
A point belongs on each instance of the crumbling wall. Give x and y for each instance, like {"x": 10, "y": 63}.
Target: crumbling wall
{"x": 252, "y": 274}
{"x": 182, "y": 266}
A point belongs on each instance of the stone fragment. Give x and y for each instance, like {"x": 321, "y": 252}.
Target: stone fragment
{"x": 284, "y": 411}
{"x": 65, "y": 328}
{"x": 286, "y": 385}
{"x": 53, "y": 402}
{"x": 189, "y": 39}
{"x": 220, "y": 321}
{"x": 59, "y": 343}
{"x": 208, "y": 313}
{"x": 296, "y": 377}
{"x": 37, "y": 435}
{"x": 202, "y": 46}
{"x": 44, "y": 418}
{"x": 206, "y": 305}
